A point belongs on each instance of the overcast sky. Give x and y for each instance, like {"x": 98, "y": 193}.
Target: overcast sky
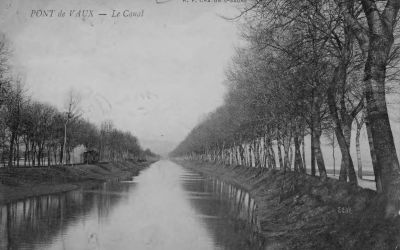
{"x": 155, "y": 75}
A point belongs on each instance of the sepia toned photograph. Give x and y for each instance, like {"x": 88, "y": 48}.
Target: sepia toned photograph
{"x": 199, "y": 124}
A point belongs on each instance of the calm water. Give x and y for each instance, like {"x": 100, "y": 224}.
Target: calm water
{"x": 165, "y": 207}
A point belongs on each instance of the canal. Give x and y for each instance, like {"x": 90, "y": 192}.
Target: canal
{"x": 165, "y": 207}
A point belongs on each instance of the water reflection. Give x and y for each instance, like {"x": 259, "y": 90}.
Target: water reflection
{"x": 228, "y": 211}
{"x": 34, "y": 222}
{"x": 165, "y": 207}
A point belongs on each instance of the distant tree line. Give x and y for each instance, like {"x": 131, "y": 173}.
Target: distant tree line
{"x": 33, "y": 133}
{"x": 308, "y": 68}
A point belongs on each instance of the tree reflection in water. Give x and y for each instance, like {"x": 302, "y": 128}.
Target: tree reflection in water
{"x": 154, "y": 211}
{"x": 35, "y": 221}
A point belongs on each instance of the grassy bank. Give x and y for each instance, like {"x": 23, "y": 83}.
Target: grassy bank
{"x": 19, "y": 183}
{"x": 301, "y": 212}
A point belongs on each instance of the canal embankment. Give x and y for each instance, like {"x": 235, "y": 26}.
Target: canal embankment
{"x": 19, "y": 183}
{"x": 302, "y": 212}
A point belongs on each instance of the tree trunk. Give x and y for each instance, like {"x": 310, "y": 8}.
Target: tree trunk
{"x": 65, "y": 141}
{"x": 61, "y": 154}
{"x": 55, "y": 155}
{"x": 318, "y": 153}
{"x": 333, "y": 154}
{"x": 241, "y": 152}
{"x": 235, "y": 148}
{"x": 256, "y": 154}
{"x": 340, "y": 133}
{"x": 33, "y": 156}
{"x": 376, "y": 44}
{"x": 17, "y": 150}
{"x": 267, "y": 161}
{"x": 11, "y": 150}
{"x": 266, "y": 157}
{"x": 359, "y": 163}
{"x": 377, "y": 115}
{"x": 69, "y": 156}
{"x": 298, "y": 164}
{"x": 346, "y": 128}
{"x": 272, "y": 154}
{"x": 48, "y": 157}
{"x": 25, "y": 156}
{"x": 39, "y": 154}
{"x": 377, "y": 170}
{"x": 312, "y": 151}
{"x": 286, "y": 147}
{"x": 280, "y": 155}
{"x": 304, "y": 153}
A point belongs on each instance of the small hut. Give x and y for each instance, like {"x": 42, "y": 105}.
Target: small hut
{"x": 90, "y": 157}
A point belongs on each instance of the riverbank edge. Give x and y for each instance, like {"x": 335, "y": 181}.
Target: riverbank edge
{"x": 21, "y": 183}
{"x": 302, "y": 212}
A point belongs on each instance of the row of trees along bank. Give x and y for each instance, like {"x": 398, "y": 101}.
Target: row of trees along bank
{"x": 33, "y": 133}
{"x": 308, "y": 68}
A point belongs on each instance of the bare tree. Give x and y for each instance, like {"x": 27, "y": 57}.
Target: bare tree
{"x": 375, "y": 38}
{"x": 14, "y": 102}
{"x": 72, "y": 113}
